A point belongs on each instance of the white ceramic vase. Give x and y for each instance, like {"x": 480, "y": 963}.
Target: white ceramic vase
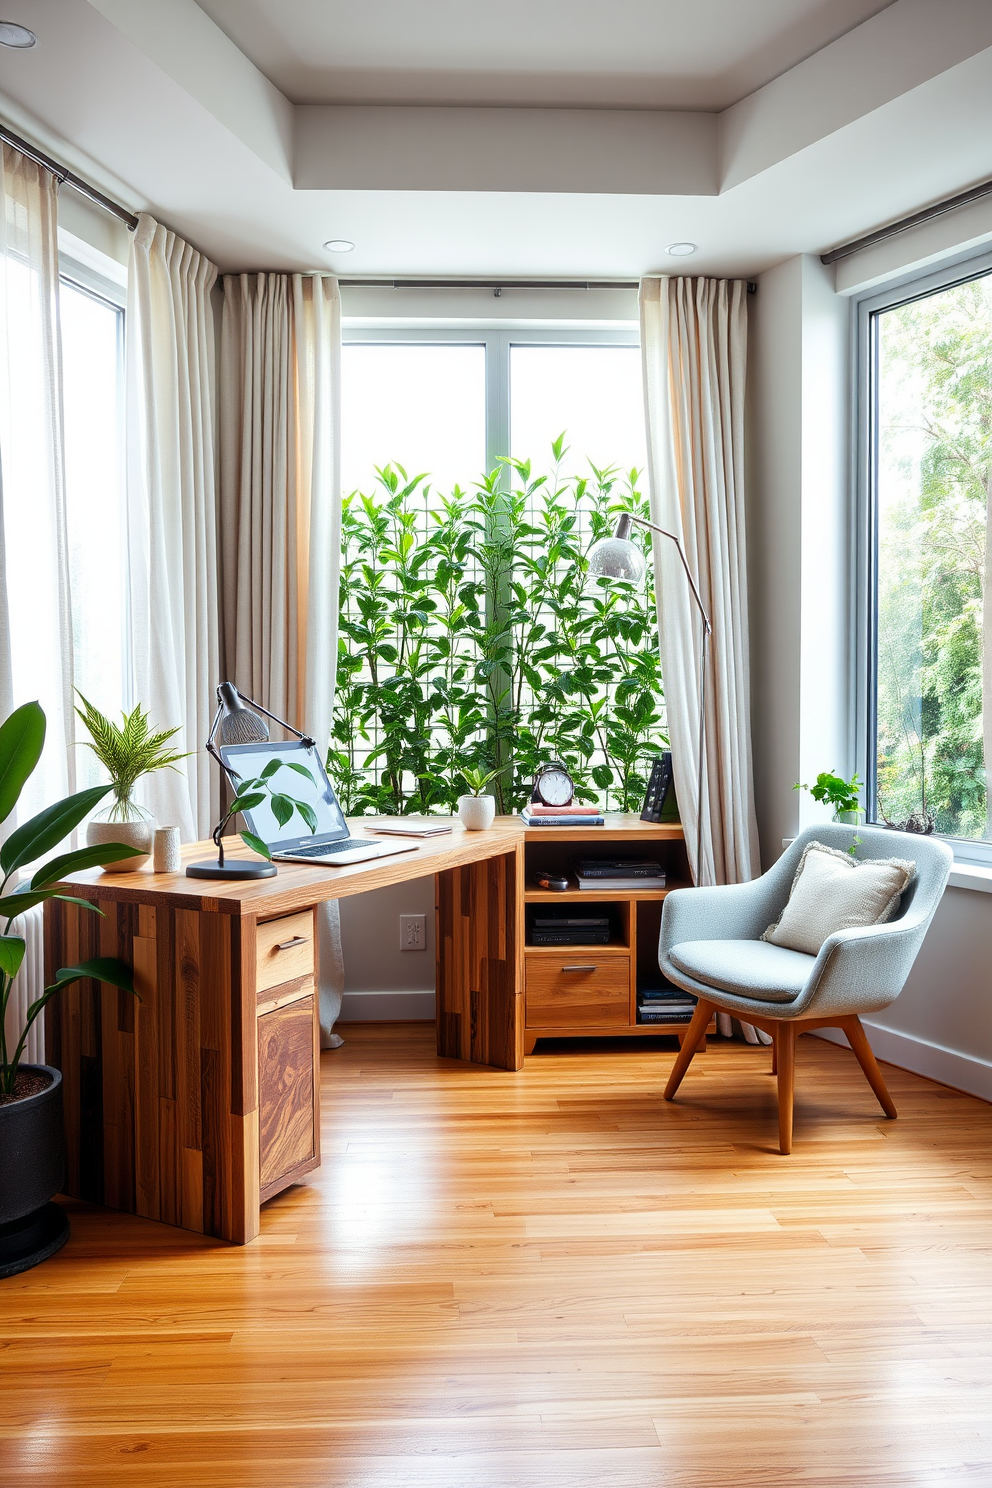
{"x": 477, "y": 812}
{"x": 138, "y": 832}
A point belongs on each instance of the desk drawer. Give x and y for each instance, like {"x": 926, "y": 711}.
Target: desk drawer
{"x": 288, "y": 1071}
{"x": 284, "y": 950}
{"x": 578, "y": 989}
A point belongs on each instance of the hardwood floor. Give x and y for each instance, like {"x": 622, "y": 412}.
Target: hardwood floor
{"x": 549, "y": 1279}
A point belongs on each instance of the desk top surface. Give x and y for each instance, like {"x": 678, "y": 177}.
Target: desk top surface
{"x": 299, "y": 885}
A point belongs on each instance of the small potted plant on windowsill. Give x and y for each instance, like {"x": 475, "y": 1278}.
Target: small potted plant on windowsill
{"x": 31, "y": 1137}
{"x": 477, "y": 812}
{"x": 843, "y": 795}
{"x": 127, "y": 753}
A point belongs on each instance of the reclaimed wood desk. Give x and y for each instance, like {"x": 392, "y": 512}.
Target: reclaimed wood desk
{"x": 201, "y": 1101}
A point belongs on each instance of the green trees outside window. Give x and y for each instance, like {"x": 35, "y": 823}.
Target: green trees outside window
{"x": 934, "y": 619}
{"x": 471, "y": 639}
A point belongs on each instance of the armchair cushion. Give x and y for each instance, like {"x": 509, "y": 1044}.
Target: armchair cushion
{"x": 832, "y": 891}
{"x": 748, "y": 968}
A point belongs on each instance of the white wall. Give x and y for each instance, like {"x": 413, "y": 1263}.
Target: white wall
{"x": 804, "y": 642}
{"x": 798, "y": 541}
{"x": 381, "y": 981}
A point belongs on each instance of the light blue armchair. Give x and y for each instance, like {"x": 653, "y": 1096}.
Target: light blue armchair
{"x": 710, "y": 945}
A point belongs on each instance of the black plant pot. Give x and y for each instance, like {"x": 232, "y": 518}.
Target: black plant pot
{"x": 32, "y": 1169}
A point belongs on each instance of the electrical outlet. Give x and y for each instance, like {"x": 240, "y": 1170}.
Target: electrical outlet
{"x": 413, "y": 932}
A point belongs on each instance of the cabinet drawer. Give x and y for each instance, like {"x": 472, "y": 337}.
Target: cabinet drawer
{"x": 287, "y": 1136}
{"x": 577, "y": 989}
{"x": 284, "y": 950}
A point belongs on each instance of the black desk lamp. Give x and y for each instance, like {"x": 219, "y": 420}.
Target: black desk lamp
{"x": 238, "y": 722}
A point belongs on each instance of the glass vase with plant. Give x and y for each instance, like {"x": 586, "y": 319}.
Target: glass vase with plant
{"x": 127, "y": 752}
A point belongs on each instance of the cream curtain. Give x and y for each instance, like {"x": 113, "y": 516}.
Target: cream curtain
{"x": 36, "y": 656}
{"x": 280, "y": 516}
{"x": 694, "y": 350}
{"x": 172, "y": 518}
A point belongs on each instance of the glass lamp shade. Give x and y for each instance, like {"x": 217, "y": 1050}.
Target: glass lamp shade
{"x": 616, "y": 558}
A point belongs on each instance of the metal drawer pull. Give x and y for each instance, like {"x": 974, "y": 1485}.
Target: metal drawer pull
{"x": 287, "y": 945}
{"x": 579, "y": 968}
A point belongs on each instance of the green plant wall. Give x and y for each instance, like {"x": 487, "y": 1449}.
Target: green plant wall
{"x": 471, "y": 636}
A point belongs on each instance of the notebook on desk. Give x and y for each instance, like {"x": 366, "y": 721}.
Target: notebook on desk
{"x": 332, "y": 845}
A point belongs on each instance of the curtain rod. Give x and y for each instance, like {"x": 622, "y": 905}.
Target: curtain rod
{"x": 905, "y": 223}
{"x": 66, "y": 177}
{"x": 498, "y": 285}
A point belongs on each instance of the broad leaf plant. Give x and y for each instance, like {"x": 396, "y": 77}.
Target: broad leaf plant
{"x": 22, "y": 738}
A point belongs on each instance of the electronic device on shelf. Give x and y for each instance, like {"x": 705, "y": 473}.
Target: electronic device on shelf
{"x": 570, "y": 930}
{"x": 617, "y": 873}
{"x": 544, "y": 879}
{"x": 659, "y": 785}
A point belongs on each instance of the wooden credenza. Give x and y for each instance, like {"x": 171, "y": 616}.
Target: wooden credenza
{"x": 201, "y": 1101}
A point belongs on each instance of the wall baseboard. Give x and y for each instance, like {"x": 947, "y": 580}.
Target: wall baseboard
{"x": 946, "y": 1066}
{"x": 387, "y": 1007}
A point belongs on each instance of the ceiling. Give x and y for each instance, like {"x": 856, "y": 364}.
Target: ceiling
{"x": 259, "y": 165}
{"x": 624, "y": 54}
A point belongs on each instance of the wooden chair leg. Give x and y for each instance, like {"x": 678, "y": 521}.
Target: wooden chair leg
{"x": 858, "y": 1040}
{"x": 785, "y": 1063}
{"x": 693, "y": 1034}
{"x": 774, "y": 1057}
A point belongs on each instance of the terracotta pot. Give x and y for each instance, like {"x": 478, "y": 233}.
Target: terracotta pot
{"x": 477, "y": 812}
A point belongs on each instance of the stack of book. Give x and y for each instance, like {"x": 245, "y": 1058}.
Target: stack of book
{"x": 664, "y": 1004}
{"x": 617, "y": 873}
{"x": 535, "y": 815}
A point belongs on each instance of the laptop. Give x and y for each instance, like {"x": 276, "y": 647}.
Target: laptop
{"x": 332, "y": 845}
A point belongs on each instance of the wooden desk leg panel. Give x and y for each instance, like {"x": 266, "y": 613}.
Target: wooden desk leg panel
{"x": 161, "y": 1107}
{"x": 478, "y": 979}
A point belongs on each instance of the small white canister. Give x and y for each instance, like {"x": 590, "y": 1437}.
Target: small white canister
{"x": 166, "y": 854}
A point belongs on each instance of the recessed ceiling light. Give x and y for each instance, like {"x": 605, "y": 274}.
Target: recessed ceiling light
{"x": 338, "y": 245}
{"x": 681, "y": 250}
{"x": 13, "y": 35}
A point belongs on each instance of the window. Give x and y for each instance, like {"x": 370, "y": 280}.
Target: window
{"x": 92, "y": 399}
{"x": 929, "y": 467}
{"x": 470, "y": 638}
{"x": 91, "y": 347}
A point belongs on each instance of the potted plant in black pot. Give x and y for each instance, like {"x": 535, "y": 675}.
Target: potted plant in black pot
{"x": 32, "y": 1144}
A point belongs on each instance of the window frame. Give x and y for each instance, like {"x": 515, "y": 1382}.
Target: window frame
{"x": 498, "y": 342}
{"x": 960, "y": 269}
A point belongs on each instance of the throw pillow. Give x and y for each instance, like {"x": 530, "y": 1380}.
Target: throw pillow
{"x": 831, "y": 891}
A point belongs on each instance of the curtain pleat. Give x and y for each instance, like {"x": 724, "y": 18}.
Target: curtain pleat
{"x": 280, "y": 516}
{"x": 171, "y": 510}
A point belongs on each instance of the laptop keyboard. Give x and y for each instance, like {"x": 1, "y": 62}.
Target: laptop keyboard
{"x": 324, "y": 849}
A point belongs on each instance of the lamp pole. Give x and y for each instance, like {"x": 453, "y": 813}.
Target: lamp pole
{"x": 622, "y": 533}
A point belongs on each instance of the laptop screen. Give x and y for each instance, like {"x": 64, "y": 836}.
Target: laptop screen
{"x": 249, "y": 760}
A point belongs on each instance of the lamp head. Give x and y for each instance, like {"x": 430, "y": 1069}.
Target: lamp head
{"x": 239, "y": 723}
{"x": 617, "y": 557}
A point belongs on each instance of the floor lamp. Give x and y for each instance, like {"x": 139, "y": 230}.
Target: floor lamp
{"x": 617, "y": 557}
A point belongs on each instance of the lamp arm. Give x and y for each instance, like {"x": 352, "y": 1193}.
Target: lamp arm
{"x": 643, "y": 522}
{"x": 303, "y": 738}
